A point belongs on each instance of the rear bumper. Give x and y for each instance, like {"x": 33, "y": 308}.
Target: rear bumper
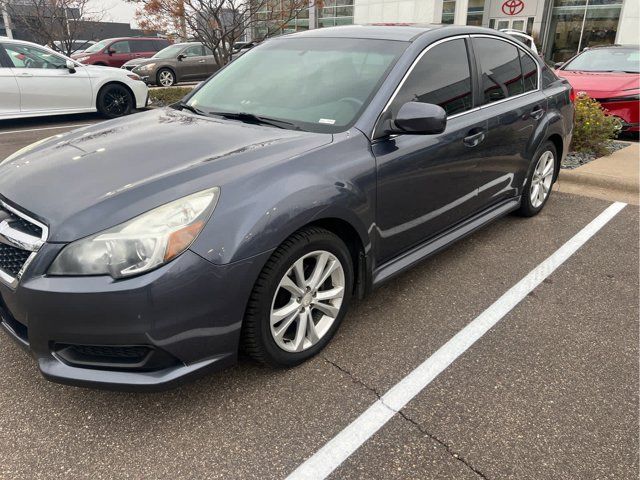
{"x": 185, "y": 315}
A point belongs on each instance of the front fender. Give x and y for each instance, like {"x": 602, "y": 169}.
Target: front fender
{"x": 257, "y": 213}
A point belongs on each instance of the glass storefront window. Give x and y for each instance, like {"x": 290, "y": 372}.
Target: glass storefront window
{"x": 474, "y": 12}
{"x": 577, "y": 24}
{"x": 448, "y": 11}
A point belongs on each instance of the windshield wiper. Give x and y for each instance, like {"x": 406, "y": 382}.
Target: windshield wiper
{"x": 186, "y": 106}
{"x": 255, "y": 119}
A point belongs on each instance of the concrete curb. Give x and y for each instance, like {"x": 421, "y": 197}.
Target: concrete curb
{"x": 601, "y": 181}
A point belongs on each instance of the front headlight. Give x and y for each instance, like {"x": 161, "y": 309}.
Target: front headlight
{"x": 146, "y": 67}
{"x": 28, "y": 148}
{"x": 142, "y": 244}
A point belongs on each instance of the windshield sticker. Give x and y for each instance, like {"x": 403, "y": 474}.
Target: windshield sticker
{"x": 328, "y": 121}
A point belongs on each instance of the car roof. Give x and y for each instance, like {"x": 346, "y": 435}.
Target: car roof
{"x": 131, "y": 38}
{"x": 397, "y": 32}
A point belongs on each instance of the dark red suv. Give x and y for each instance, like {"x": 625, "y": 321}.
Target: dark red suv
{"x": 114, "y": 52}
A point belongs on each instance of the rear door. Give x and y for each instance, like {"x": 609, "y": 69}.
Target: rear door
{"x": 44, "y": 81}
{"x": 513, "y": 106}
{"x": 143, "y": 48}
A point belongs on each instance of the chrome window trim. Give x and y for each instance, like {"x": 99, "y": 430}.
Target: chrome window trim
{"x": 22, "y": 241}
{"x": 518, "y": 47}
{"x": 474, "y": 109}
{"x": 408, "y": 72}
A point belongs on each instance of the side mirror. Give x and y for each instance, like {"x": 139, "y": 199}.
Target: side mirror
{"x": 71, "y": 66}
{"x": 181, "y": 57}
{"x": 558, "y": 64}
{"x": 420, "y": 118}
{"x": 111, "y": 51}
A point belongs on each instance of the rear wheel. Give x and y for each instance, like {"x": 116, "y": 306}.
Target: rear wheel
{"x": 538, "y": 187}
{"x": 115, "y": 100}
{"x": 299, "y": 299}
{"x": 165, "y": 78}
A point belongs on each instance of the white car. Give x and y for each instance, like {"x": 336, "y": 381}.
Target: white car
{"x": 36, "y": 81}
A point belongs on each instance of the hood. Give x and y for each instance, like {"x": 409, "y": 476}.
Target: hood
{"x": 93, "y": 178}
{"x": 602, "y": 84}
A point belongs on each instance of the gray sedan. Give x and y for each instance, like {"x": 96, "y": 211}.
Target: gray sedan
{"x": 181, "y": 62}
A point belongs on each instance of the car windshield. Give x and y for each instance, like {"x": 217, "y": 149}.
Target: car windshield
{"x": 96, "y": 47}
{"x": 169, "y": 52}
{"x": 606, "y": 60}
{"x": 313, "y": 84}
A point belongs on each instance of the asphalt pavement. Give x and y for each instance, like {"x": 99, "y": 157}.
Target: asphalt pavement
{"x": 550, "y": 392}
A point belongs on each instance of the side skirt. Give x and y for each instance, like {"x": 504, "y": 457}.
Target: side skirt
{"x": 411, "y": 257}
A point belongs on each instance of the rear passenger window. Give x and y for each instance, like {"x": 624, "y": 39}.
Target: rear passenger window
{"x": 529, "y": 72}
{"x": 442, "y": 77}
{"x": 499, "y": 67}
{"x": 143, "y": 46}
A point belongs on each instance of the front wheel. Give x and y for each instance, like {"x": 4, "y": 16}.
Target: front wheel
{"x": 165, "y": 78}
{"x": 115, "y": 101}
{"x": 539, "y": 182}
{"x": 299, "y": 299}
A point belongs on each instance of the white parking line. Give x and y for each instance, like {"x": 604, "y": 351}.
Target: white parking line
{"x": 339, "y": 448}
{"x": 46, "y": 128}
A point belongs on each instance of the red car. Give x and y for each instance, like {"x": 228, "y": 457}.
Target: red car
{"x": 115, "y": 52}
{"x": 610, "y": 75}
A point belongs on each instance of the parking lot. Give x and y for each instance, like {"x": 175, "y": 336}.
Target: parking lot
{"x": 550, "y": 392}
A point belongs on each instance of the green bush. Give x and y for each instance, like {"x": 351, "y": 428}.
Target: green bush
{"x": 160, "y": 97}
{"x": 593, "y": 129}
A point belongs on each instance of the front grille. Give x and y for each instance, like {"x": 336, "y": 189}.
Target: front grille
{"x": 17, "y": 230}
{"x": 22, "y": 225}
{"x": 12, "y": 259}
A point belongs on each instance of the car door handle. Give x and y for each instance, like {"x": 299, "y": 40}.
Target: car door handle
{"x": 201, "y": 61}
{"x": 537, "y": 113}
{"x": 475, "y": 138}
{"x": 24, "y": 74}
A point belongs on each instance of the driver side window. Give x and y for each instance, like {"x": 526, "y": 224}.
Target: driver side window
{"x": 441, "y": 77}
{"x": 193, "y": 51}
{"x": 26, "y": 56}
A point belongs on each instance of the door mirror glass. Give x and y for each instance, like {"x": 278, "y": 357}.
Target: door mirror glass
{"x": 71, "y": 66}
{"x": 420, "y": 118}
{"x": 181, "y": 57}
{"x": 558, "y": 64}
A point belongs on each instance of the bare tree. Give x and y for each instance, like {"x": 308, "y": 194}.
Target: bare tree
{"x": 218, "y": 24}
{"x": 56, "y": 23}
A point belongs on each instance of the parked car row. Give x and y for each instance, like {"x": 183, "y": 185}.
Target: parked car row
{"x": 37, "y": 81}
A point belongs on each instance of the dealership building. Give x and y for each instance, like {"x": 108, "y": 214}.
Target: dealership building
{"x": 561, "y": 27}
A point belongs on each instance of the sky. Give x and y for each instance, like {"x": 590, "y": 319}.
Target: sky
{"x": 115, "y": 11}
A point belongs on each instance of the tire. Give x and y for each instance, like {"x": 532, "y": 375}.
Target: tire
{"x": 165, "y": 78}
{"x": 284, "y": 343}
{"x": 537, "y": 188}
{"x": 115, "y": 100}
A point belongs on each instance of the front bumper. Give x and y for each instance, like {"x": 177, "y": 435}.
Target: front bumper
{"x": 185, "y": 315}
{"x": 627, "y": 112}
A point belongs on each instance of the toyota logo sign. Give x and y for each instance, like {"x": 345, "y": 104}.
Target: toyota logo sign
{"x": 512, "y": 7}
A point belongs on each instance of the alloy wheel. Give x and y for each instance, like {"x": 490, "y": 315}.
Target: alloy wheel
{"x": 116, "y": 101}
{"x": 307, "y": 301}
{"x": 165, "y": 78}
{"x": 542, "y": 179}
